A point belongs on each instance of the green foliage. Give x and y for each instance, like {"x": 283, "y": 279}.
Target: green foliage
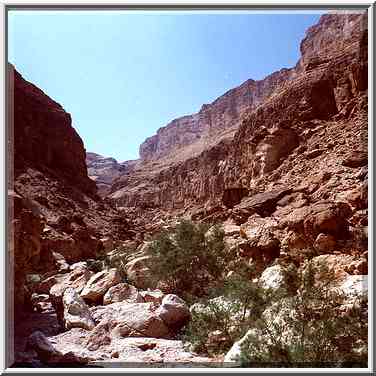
{"x": 189, "y": 258}
{"x": 212, "y": 316}
{"x": 239, "y": 304}
{"x": 309, "y": 329}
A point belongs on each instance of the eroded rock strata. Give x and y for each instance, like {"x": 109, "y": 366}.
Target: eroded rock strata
{"x": 311, "y": 106}
{"x": 281, "y": 163}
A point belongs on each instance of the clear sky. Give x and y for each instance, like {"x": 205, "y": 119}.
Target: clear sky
{"x": 124, "y": 75}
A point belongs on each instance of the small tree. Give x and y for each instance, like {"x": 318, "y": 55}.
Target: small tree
{"x": 189, "y": 259}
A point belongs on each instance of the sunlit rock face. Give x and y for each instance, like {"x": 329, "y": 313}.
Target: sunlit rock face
{"x": 262, "y": 134}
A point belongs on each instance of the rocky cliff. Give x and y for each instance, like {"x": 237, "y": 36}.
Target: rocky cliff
{"x": 213, "y": 119}
{"x": 53, "y": 204}
{"x": 104, "y": 170}
{"x": 293, "y": 114}
{"x": 44, "y": 137}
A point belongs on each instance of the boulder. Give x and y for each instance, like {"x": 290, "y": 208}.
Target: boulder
{"x": 60, "y": 262}
{"x": 99, "y": 283}
{"x": 173, "y": 311}
{"x": 76, "y": 279}
{"x": 76, "y": 312}
{"x": 263, "y": 203}
{"x": 78, "y": 265}
{"x": 130, "y": 320}
{"x": 138, "y": 272}
{"x": 38, "y": 342}
{"x": 322, "y": 217}
{"x": 122, "y": 292}
{"x": 233, "y": 355}
{"x": 354, "y": 286}
{"x": 332, "y": 220}
{"x": 47, "y": 352}
{"x": 275, "y": 278}
{"x": 338, "y": 264}
{"x": 355, "y": 159}
{"x": 261, "y": 242}
{"x": 231, "y": 230}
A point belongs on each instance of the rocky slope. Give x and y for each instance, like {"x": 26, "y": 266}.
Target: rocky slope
{"x": 324, "y": 91}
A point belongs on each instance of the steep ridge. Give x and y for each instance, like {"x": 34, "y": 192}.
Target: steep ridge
{"x": 322, "y": 89}
{"x": 53, "y": 204}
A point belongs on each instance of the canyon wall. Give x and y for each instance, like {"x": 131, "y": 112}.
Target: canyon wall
{"x": 53, "y": 205}
{"x": 225, "y": 112}
{"x": 276, "y": 126}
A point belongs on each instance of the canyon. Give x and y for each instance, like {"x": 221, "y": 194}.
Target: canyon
{"x": 281, "y": 163}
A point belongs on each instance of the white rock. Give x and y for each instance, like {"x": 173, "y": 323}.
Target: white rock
{"x": 76, "y": 312}
{"x": 272, "y": 278}
{"x": 234, "y": 353}
{"x": 355, "y": 286}
{"x": 173, "y": 311}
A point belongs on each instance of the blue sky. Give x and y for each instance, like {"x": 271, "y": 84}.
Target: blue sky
{"x": 123, "y": 75}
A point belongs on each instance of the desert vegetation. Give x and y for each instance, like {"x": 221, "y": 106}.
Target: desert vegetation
{"x": 304, "y": 322}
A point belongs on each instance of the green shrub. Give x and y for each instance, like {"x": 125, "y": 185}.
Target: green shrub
{"x": 238, "y": 304}
{"x": 210, "y": 317}
{"x": 309, "y": 329}
{"x": 189, "y": 259}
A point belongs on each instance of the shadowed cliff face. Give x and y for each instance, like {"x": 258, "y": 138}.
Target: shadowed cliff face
{"x": 44, "y": 137}
{"x": 252, "y": 143}
{"x": 53, "y": 204}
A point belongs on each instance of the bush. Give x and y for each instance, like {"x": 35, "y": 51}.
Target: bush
{"x": 217, "y": 323}
{"x": 309, "y": 329}
{"x": 212, "y": 317}
{"x": 189, "y": 259}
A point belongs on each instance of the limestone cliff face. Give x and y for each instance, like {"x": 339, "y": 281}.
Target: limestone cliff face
{"x": 225, "y": 112}
{"x": 326, "y": 89}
